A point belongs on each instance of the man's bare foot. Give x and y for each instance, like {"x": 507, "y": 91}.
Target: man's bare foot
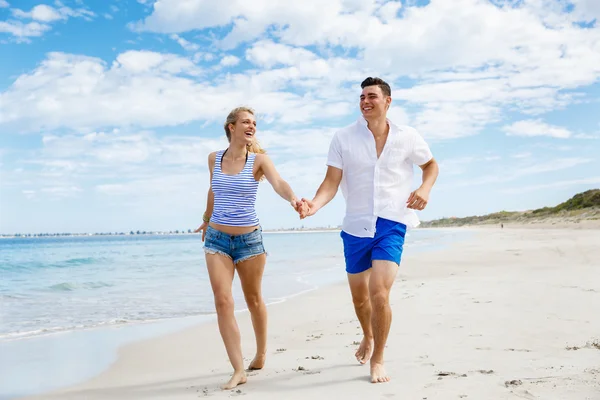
{"x": 258, "y": 362}
{"x": 365, "y": 350}
{"x": 378, "y": 374}
{"x": 238, "y": 378}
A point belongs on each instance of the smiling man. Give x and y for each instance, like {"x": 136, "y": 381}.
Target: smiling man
{"x": 373, "y": 161}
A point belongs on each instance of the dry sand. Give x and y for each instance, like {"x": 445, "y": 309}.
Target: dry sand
{"x": 508, "y": 314}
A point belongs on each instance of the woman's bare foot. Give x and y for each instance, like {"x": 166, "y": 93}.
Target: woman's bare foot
{"x": 378, "y": 374}
{"x": 238, "y": 378}
{"x": 258, "y": 362}
{"x": 365, "y": 350}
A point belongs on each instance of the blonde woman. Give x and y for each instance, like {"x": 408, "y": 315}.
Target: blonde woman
{"x": 233, "y": 235}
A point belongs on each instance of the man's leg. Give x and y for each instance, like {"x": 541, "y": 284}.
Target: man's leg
{"x": 359, "y": 287}
{"x": 382, "y": 277}
{"x": 357, "y": 254}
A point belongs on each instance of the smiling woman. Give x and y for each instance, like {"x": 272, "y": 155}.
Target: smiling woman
{"x": 234, "y": 236}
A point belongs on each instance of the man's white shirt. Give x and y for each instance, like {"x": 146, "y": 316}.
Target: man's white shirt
{"x": 376, "y": 187}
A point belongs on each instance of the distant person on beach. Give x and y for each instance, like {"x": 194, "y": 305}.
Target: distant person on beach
{"x": 373, "y": 161}
{"x": 234, "y": 236}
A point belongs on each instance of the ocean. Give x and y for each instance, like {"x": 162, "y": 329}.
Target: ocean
{"x": 62, "y": 294}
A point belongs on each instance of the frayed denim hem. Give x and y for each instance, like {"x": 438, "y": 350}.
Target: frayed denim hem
{"x": 251, "y": 256}
{"x": 209, "y": 250}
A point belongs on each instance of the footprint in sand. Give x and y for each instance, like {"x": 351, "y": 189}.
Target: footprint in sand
{"x": 314, "y": 337}
{"x": 445, "y": 373}
{"x": 514, "y": 382}
{"x": 486, "y": 371}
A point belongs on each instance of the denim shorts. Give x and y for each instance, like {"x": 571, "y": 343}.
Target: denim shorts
{"x": 237, "y": 247}
{"x": 359, "y": 252}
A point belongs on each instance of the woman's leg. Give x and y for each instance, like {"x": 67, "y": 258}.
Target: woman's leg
{"x": 251, "y": 273}
{"x": 220, "y": 271}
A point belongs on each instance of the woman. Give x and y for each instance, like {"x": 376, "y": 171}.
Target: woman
{"x": 233, "y": 234}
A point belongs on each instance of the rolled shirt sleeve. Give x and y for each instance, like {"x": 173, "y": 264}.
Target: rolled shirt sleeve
{"x": 421, "y": 153}
{"x": 334, "y": 157}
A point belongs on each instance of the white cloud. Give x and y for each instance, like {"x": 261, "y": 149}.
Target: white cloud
{"x": 553, "y": 185}
{"x": 550, "y": 166}
{"x": 142, "y": 62}
{"x": 587, "y": 10}
{"x": 151, "y": 89}
{"x": 268, "y": 54}
{"x": 398, "y": 115}
{"x": 42, "y": 16}
{"x": 42, "y": 13}
{"x": 536, "y": 127}
{"x": 62, "y": 191}
{"x": 514, "y": 171}
{"x": 521, "y": 155}
{"x": 471, "y": 56}
{"x": 45, "y": 13}
{"x": 23, "y": 31}
{"x": 4, "y": 4}
{"x": 229, "y": 61}
{"x": 187, "y": 45}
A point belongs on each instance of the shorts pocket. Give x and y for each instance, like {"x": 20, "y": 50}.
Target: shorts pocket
{"x": 253, "y": 238}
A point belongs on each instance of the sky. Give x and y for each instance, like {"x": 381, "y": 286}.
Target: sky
{"x": 109, "y": 109}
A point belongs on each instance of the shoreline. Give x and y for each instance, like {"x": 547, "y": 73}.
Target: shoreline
{"x": 443, "y": 294}
{"x": 7, "y": 337}
{"x": 109, "y": 338}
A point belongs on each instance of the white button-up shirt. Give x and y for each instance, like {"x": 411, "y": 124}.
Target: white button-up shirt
{"x": 376, "y": 187}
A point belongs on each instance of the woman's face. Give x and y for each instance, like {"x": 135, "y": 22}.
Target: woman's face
{"x": 244, "y": 129}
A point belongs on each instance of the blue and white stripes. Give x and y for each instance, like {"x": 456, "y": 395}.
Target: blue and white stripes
{"x": 235, "y": 195}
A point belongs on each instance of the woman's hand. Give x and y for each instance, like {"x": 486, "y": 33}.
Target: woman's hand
{"x": 203, "y": 229}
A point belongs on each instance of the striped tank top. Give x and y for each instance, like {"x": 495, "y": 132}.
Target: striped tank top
{"x": 234, "y": 195}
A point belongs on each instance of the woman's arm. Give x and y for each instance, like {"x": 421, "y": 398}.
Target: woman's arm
{"x": 281, "y": 187}
{"x": 210, "y": 198}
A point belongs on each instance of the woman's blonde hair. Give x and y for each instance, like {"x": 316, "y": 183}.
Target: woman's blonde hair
{"x": 232, "y": 118}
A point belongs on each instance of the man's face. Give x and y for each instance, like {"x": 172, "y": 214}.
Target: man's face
{"x": 373, "y": 103}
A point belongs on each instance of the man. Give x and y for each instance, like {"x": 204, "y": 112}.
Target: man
{"x": 373, "y": 161}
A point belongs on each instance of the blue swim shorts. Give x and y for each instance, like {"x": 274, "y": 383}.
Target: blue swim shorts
{"x": 237, "y": 247}
{"x": 387, "y": 244}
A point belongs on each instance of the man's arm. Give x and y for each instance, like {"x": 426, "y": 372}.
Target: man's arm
{"x": 326, "y": 191}
{"x": 419, "y": 198}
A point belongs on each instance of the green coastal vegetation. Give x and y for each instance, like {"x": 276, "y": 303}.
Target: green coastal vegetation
{"x": 582, "y": 206}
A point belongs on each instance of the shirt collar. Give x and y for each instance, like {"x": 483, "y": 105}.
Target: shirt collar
{"x": 393, "y": 127}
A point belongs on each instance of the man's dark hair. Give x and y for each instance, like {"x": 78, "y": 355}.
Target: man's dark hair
{"x": 383, "y": 85}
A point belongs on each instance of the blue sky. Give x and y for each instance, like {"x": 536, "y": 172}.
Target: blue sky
{"x": 109, "y": 109}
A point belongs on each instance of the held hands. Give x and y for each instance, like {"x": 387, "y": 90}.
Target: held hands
{"x": 300, "y": 206}
{"x": 304, "y": 207}
{"x": 418, "y": 199}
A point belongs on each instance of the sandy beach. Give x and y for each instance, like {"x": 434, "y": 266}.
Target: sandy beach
{"x": 505, "y": 314}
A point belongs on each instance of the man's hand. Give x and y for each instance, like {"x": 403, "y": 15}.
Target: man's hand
{"x": 203, "y": 229}
{"x": 418, "y": 199}
{"x": 309, "y": 208}
{"x": 299, "y": 206}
